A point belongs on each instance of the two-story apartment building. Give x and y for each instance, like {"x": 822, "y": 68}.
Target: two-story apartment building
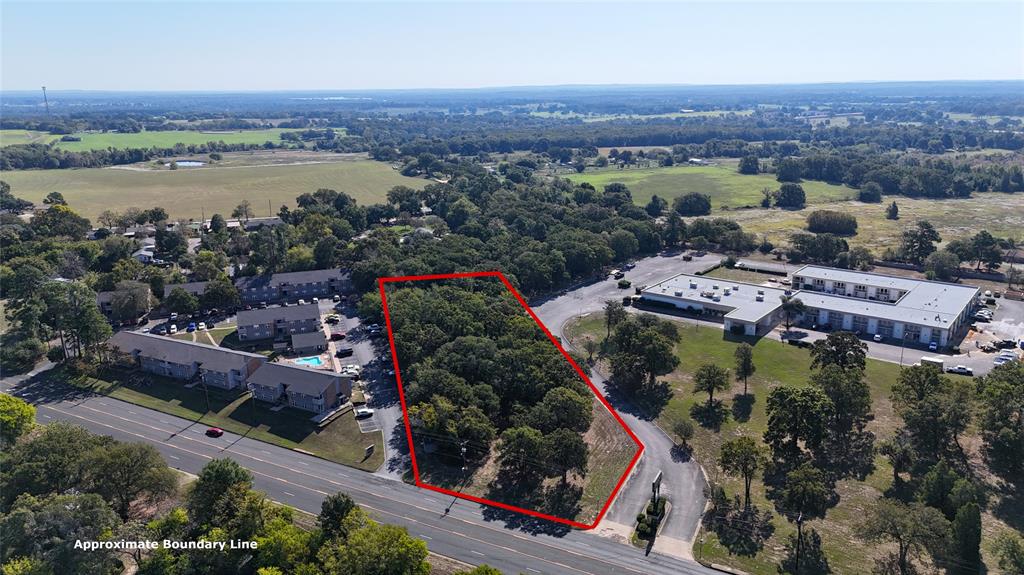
{"x": 907, "y": 309}
{"x": 186, "y": 360}
{"x": 195, "y": 288}
{"x": 312, "y": 390}
{"x": 278, "y": 322}
{"x": 291, "y": 285}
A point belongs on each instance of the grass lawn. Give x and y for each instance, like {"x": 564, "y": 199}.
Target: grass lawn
{"x": 12, "y": 137}
{"x": 1000, "y": 214}
{"x": 168, "y": 139}
{"x": 737, "y": 274}
{"x": 724, "y": 184}
{"x": 777, "y": 364}
{"x": 339, "y": 441}
{"x": 188, "y": 192}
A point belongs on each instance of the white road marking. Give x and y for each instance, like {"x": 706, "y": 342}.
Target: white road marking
{"x": 288, "y": 494}
{"x": 474, "y": 551}
{"x": 173, "y": 457}
{"x": 47, "y": 416}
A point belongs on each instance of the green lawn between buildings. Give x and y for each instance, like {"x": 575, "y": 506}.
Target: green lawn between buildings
{"x": 778, "y": 364}
{"x": 339, "y": 441}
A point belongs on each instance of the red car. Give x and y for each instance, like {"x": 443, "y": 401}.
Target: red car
{"x": 214, "y": 432}
{"x": 337, "y": 335}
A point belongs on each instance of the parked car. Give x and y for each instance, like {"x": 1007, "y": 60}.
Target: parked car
{"x": 961, "y": 370}
{"x": 191, "y": 326}
{"x": 201, "y": 326}
{"x": 687, "y": 258}
{"x": 263, "y": 305}
{"x": 363, "y": 412}
{"x": 1006, "y": 344}
{"x": 302, "y": 302}
{"x": 214, "y": 432}
{"x": 160, "y": 330}
{"x": 618, "y": 274}
{"x": 629, "y": 266}
{"x": 173, "y": 330}
{"x": 799, "y": 342}
{"x": 337, "y": 335}
{"x": 878, "y": 337}
{"x": 174, "y": 316}
{"x": 344, "y": 352}
{"x": 316, "y": 300}
{"x": 336, "y": 298}
{"x": 933, "y": 346}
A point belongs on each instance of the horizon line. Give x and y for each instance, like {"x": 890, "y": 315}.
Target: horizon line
{"x": 510, "y": 87}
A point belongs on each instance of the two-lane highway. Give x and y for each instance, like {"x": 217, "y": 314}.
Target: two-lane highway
{"x": 302, "y": 481}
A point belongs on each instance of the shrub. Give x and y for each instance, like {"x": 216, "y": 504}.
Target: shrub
{"x": 790, "y": 196}
{"x": 870, "y": 193}
{"x": 692, "y": 204}
{"x": 828, "y": 221}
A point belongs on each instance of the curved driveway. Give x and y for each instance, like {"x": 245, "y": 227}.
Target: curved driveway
{"x": 683, "y": 481}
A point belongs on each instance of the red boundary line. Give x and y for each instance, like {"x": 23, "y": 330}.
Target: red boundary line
{"x": 557, "y": 344}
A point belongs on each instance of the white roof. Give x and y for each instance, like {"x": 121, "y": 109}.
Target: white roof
{"x": 743, "y": 301}
{"x": 855, "y": 277}
{"x": 926, "y": 303}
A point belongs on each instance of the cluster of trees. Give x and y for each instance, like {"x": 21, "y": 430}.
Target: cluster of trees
{"x": 832, "y": 222}
{"x": 639, "y": 347}
{"x": 60, "y": 484}
{"x": 918, "y": 246}
{"x": 477, "y": 369}
{"x": 931, "y": 178}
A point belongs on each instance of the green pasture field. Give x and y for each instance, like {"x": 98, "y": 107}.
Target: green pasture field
{"x": 1001, "y": 214}
{"x": 12, "y": 137}
{"x": 100, "y": 141}
{"x": 187, "y": 192}
{"x": 166, "y": 139}
{"x": 779, "y": 364}
{"x": 724, "y": 184}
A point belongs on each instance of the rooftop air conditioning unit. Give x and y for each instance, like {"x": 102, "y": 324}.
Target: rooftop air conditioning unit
{"x": 759, "y": 298}
{"x": 679, "y": 294}
{"x": 715, "y": 286}
{"x": 727, "y": 291}
{"x": 693, "y": 285}
{"x": 760, "y": 292}
{"x": 735, "y": 288}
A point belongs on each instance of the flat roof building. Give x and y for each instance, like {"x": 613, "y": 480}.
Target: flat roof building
{"x": 867, "y": 303}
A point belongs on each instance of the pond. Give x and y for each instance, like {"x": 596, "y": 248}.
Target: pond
{"x": 190, "y": 163}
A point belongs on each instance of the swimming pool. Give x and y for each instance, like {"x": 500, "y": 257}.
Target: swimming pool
{"x": 313, "y": 361}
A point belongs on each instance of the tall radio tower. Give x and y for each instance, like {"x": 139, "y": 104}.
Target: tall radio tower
{"x": 46, "y": 102}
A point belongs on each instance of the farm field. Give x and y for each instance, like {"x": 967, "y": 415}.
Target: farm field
{"x": 168, "y": 139}
{"x": 778, "y": 364}
{"x": 725, "y": 186}
{"x": 1001, "y": 214}
{"x": 12, "y": 137}
{"x": 187, "y": 192}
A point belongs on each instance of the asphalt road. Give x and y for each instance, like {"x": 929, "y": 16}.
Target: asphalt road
{"x": 467, "y": 532}
{"x": 683, "y": 482}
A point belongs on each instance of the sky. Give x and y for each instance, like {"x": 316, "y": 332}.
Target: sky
{"x": 259, "y": 45}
